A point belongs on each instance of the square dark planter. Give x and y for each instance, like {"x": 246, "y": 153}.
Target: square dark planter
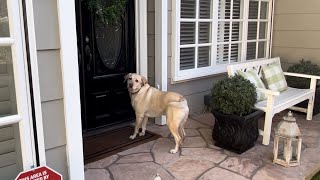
{"x": 236, "y": 133}
{"x": 316, "y": 107}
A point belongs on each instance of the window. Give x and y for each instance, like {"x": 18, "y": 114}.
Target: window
{"x": 14, "y": 101}
{"x": 210, "y": 34}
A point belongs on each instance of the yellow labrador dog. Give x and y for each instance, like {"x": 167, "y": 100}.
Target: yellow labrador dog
{"x": 148, "y": 101}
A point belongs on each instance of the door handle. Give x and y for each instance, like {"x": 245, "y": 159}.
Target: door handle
{"x": 88, "y": 53}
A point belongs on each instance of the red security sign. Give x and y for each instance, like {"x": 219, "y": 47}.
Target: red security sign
{"x": 39, "y": 173}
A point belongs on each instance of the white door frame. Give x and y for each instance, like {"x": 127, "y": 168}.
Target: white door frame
{"x": 70, "y": 76}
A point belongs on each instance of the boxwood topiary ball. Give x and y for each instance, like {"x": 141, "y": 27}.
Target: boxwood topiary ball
{"x": 234, "y": 95}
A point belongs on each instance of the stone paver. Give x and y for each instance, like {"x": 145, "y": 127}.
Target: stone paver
{"x": 207, "y": 119}
{"x": 218, "y": 173}
{"x": 204, "y": 153}
{"x": 194, "y": 142}
{"x": 97, "y": 174}
{"x": 198, "y": 158}
{"x": 192, "y": 132}
{"x": 139, "y": 171}
{"x": 275, "y": 172}
{"x": 102, "y": 163}
{"x": 188, "y": 167}
{"x": 193, "y": 124}
{"x": 161, "y": 130}
{"x": 138, "y": 149}
{"x": 135, "y": 158}
{"x": 207, "y": 135}
{"x": 243, "y": 166}
{"x": 161, "y": 151}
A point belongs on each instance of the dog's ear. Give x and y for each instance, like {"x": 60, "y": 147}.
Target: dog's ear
{"x": 144, "y": 80}
{"x": 126, "y": 77}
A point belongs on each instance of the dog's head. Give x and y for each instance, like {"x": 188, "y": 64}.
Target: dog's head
{"x": 135, "y": 82}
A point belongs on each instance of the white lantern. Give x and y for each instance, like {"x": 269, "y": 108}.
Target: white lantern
{"x": 287, "y": 142}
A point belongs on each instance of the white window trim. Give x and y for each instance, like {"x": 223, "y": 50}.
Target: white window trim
{"x": 35, "y": 81}
{"x": 178, "y": 75}
{"x": 23, "y": 116}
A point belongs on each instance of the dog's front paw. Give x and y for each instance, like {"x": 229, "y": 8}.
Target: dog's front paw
{"x": 173, "y": 151}
{"x": 132, "y": 136}
{"x": 142, "y": 133}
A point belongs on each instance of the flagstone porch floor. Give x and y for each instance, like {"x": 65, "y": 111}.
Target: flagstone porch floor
{"x": 200, "y": 159}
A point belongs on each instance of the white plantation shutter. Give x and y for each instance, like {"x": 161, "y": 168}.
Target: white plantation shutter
{"x": 214, "y": 33}
{"x": 230, "y": 21}
{"x": 258, "y": 27}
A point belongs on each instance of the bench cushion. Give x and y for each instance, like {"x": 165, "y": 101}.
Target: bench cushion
{"x": 254, "y": 78}
{"x": 274, "y": 77}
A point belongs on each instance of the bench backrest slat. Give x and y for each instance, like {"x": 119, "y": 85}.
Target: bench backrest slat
{"x": 255, "y": 65}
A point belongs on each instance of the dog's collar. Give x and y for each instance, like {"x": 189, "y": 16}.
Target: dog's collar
{"x": 138, "y": 90}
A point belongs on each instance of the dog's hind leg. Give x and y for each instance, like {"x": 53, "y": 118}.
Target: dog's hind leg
{"x": 181, "y": 127}
{"x": 139, "y": 120}
{"x": 174, "y": 129}
{"x": 144, "y": 126}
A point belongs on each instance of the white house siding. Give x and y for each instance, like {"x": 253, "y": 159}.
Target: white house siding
{"x": 296, "y": 32}
{"x": 49, "y": 67}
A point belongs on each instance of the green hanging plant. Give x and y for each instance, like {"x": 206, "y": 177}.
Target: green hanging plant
{"x": 109, "y": 12}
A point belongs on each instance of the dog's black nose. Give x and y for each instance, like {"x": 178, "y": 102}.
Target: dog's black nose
{"x": 130, "y": 85}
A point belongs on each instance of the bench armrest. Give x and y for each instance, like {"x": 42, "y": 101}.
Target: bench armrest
{"x": 301, "y": 75}
{"x": 268, "y": 92}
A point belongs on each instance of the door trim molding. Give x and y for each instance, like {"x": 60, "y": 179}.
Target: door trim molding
{"x": 141, "y": 37}
{"x": 71, "y": 89}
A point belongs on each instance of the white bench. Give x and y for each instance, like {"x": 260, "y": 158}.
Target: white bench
{"x": 277, "y": 102}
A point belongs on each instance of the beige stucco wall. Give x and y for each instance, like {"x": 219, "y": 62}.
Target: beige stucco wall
{"x": 296, "y": 32}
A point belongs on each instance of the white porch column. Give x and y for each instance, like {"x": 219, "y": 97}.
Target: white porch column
{"x": 141, "y": 37}
{"x": 161, "y": 45}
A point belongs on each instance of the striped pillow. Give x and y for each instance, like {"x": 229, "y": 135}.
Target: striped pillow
{"x": 253, "y": 77}
{"x": 274, "y": 77}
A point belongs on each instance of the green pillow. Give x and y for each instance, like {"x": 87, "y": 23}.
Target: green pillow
{"x": 254, "y": 78}
{"x": 274, "y": 77}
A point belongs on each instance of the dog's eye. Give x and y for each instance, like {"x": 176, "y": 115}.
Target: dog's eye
{"x": 137, "y": 80}
{"x": 130, "y": 78}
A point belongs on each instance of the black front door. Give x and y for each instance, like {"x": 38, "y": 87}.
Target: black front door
{"x": 106, "y": 54}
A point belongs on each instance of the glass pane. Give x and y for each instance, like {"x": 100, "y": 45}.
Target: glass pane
{"x": 236, "y": 31}
{"x": 8, "y": 104}
{"x": 253, "y": 9}
{"x": 223, "y": 31}
{"x": 264, "y": 10}
{"x": 188, "y": 8}
{"x": 204, "y": 32}
{"x": 187, "y": 58}
{"x": 187, "y": 32}
{"x": 262, "y": 49}
{"x": 252, "y": 30}
{"x": 222, "y": 53}
{"x": 263, "y": 30}
{"x": 204, "y": 56}
{"x": 205, "y": 9}
{"x": 224, "y": 9}
{"x": 251, "y": 50}
{"x": 237, "y": 10}
{"x": 235, "y": 52}
{"x": 4, "y": 20}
